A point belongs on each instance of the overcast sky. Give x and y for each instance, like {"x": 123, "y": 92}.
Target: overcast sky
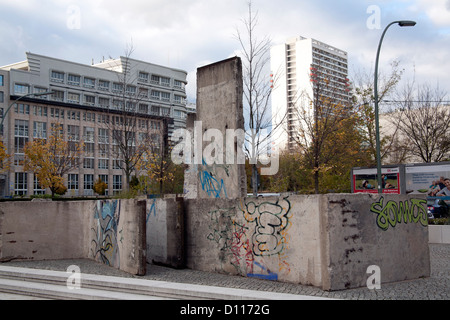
{"x": 187, "y": 34}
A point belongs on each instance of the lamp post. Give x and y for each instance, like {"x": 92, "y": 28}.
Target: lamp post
{"x": 21, "y": 97}
{"x": 402, "y": 23}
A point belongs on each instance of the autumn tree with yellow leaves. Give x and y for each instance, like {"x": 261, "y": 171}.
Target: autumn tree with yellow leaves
{"x": 4, "y": 158}
{"x": 51, "y": 158}
{"x": 327, "y": 126}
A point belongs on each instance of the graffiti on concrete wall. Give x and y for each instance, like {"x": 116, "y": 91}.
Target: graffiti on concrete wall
{"x": 252, "y": 233}
{"x": 106, "y": 236}
{"x": 210, "y": 181}
{"x": 391, "y": 213}
{"x": 152, "y": 210}
{"x": 271, "y": 221}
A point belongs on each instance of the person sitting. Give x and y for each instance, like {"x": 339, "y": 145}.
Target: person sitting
{"x": 434, "y": 188}
{"x": 446, "y": 191}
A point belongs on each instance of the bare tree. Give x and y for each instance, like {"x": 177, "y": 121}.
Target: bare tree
{"x": 363, "y": 97}
{"x": 424, "y": 121}
{"x": 132, "y": 133}
{"x": 257, "y": 92}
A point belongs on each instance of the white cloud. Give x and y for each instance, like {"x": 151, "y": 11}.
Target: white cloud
{"x": 187, "y": 34}
{"x": 437, "y": 10}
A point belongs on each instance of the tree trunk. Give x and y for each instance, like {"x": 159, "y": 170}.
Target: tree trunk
{"x": 255, "y": 180}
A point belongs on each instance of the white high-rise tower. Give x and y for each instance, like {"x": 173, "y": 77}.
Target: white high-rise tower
{"x": 297, "y": 66}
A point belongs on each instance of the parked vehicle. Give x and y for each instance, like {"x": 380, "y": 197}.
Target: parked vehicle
{"x": 437, "y": 208}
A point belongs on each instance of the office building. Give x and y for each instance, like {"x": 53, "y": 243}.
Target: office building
{"x": 86, "y": 100}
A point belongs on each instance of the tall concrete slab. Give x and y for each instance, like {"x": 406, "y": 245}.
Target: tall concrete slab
{"x": 217, "y": 169}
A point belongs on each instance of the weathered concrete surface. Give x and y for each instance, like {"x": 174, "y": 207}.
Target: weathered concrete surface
{"x": 219, "y": 111}
{"x": 118, "y": 235}
{"x": 109, "y": 231}
{"x": 364, "y": 230}
{"x": 269, "y": 238}
{"x": 165, "y": 231}
{"x": 45, "y": 230}
{"x": 327, "y": 241}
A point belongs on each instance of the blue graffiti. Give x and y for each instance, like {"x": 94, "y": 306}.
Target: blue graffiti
{"x": 269, "y": 276}
{"x": 152, "y": 209}
{"x": 210, "y": 184}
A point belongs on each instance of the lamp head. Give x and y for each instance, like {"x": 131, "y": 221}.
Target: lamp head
{"x": 406, "y": 23}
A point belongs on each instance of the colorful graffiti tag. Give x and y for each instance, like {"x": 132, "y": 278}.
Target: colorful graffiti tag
{"x": 248, "y": 235}
{"x": 105, "y": 247}
{"x": 391, "y": 213}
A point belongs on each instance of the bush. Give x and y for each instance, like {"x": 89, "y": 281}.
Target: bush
{"x": 439, "y": 221}
{"x": 100, "y": 187}
{"x": 61, "y": 190}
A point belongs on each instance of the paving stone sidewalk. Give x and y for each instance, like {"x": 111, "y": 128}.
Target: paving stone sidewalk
{"x": 436, "y": 287}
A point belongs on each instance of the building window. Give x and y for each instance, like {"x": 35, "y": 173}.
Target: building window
{"x": 179, "y": 114}
{"x": 21, "y": 89}
{"x": 2, "y": 83}
{"x": 88, "y": 182}
{"x": 178, "y": 84}
{"x": 117, "y": 184}
{"x": 143, "y": 108}
{"x": 103, "y": 102}
{"x": 73, "y": 97}
{"x": 72, "y": 181}
{"x": 103, "y": 164}
{"x": 89, "y": 82}
{"x": 103, "y": 85}
{"x": 73, "y": 79}
{"x": 39, "y": 130}
{"x": 37, "y": 189}
{"x": 143, "y": 93}
{"x": 165, "y": 96}
{"x": 143, "y": 76}
{"x": 56, "y": 113}
{"x": 103, "y": 151}
{"x": 156, "y": 94}
{"x": 73, "y": 133}
{"x": 103, "y": 135}
{"x": 40, "y": 111}
{"x": 89, "y": 100}
{"x": 40, "y": 90}
{"x": 131, "y": 90}
{"x": 21, "y": 108}
{"x": 20, "y": 140}
{"x": 88, "y": 163}
{"x": 155, "y": 79}
{"x": 117, "y": 87}
{"x": 165, "y": 81}
{"x": 104, "y": 178}
{"x": 57, "y": 76}
{"x": 20, "y": 183}
{"x": 58, "y": 95}
{"x": 88, "y": 134}
{"x": 177, "y": 99}
{"x": 74, "y": 115}
{"x": 103, "y": 148}
{"x": 165, "y": 111}
{"x": 2, "y": 97}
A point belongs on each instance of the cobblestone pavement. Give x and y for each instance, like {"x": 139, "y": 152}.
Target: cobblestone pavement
{"x": 436, "y": 287}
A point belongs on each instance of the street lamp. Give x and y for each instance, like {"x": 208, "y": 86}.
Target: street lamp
{"x": 402, "y": 23}
{"x": 21, "y": 97}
